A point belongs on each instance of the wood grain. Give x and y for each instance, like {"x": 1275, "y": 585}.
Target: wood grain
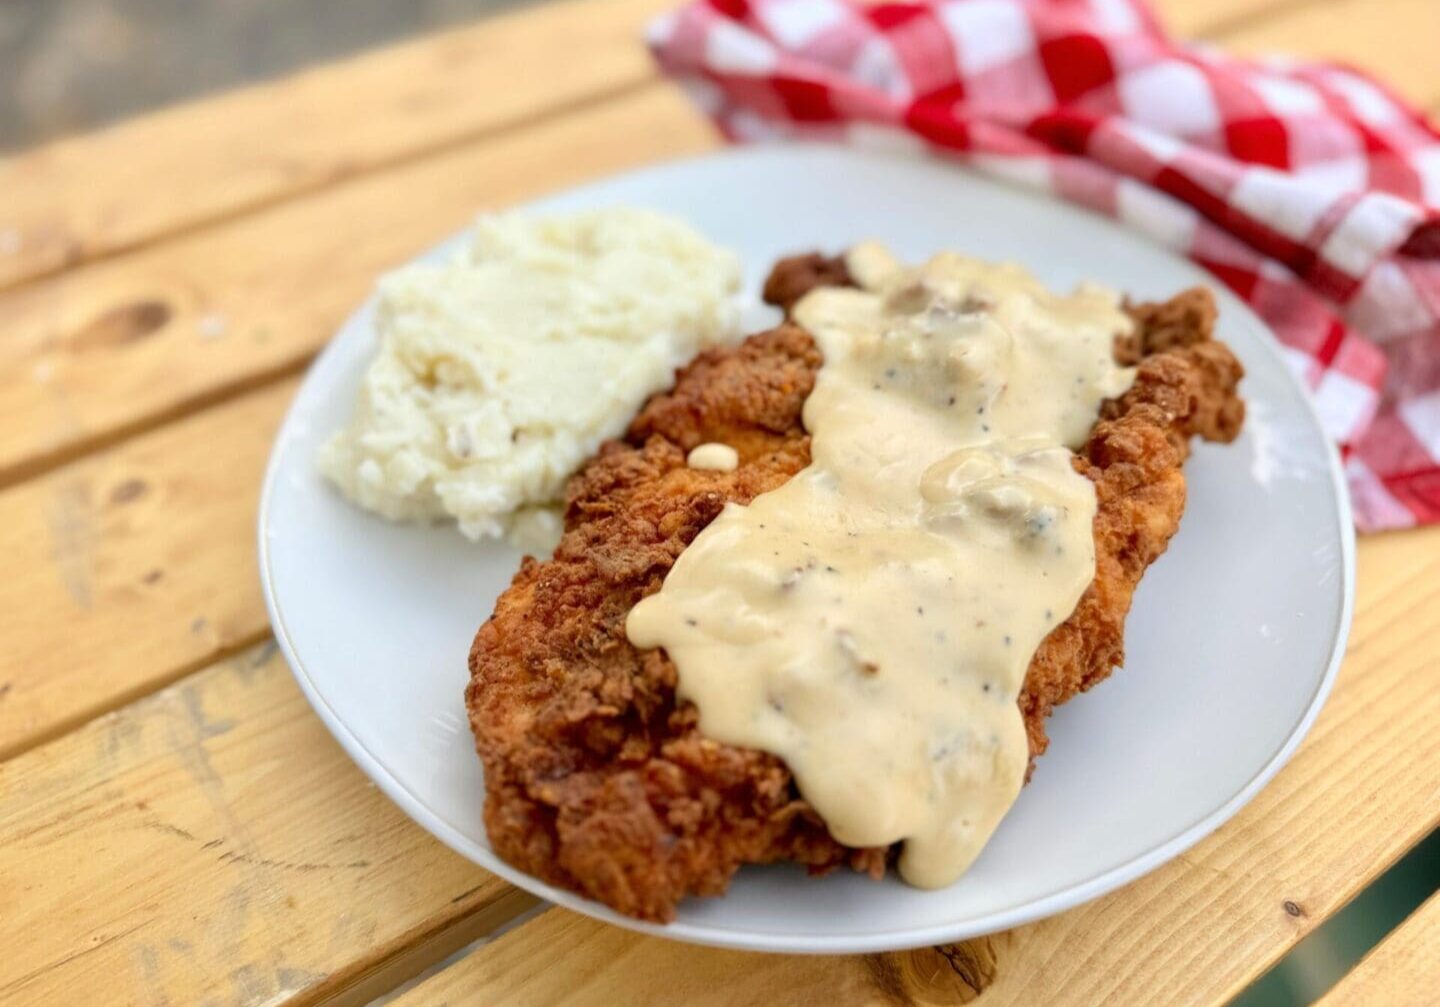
{"x": 95, "y": 195}
{"x": 1384, "y": 680}
{"x": 139, "y": 560}
{"x": 1198, "y": 929}
{"x": 132, "y": 567}
{"x": 606, "y": 965}
{"x": 212, "y": 845}
{"x": 109, "y": 350}
{"x": 102, "y": 352}
{"x": 141, "y": 181}
{"x": 1403, "y": 970}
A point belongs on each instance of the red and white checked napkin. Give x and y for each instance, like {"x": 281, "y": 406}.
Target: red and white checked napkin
{"x": 1308, "y": 188}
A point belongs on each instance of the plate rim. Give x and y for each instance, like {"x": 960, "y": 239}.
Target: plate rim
{"x": 1066, "y": 898}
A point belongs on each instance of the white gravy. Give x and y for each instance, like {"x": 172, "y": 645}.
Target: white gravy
{"x": 871, "y": 621}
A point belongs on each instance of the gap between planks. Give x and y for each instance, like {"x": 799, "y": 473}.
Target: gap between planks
{"x": 249, "y": 391}
{"x": 652, "y": 111}
{"x": 120, "y": 388}
{"x": 123, "y": 346}
{"x": 1200, "y": 928}
{"x": 90, "y": 197}
{"x": 231, "y": 764}
{"x": 84, "y": 199}
{"x": 212, "y": 843}
{"x": 136, "y": 562}
{"x": 132, "y": 568}
{"x": 1403, "y": 970}
{"x": 224, "y": 215}
{"x": 41, "y": 463}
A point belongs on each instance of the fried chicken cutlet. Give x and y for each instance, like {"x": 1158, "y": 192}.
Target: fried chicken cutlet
{"x": 597, "y": 779}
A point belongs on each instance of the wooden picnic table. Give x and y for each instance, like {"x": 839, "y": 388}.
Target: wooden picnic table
{"x": 176, "y": 827}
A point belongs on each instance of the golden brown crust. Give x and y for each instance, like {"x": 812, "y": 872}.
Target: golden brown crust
{"x": 795, "y": 276}
{"x": 597, "y": 780}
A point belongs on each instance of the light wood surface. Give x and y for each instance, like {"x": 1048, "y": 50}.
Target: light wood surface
{"x": 1402, "y": 971}
{"x": 110, "y": 350}
{"x": 1199, "y": 928}
{"x": 163, "y": 174}
{"x": 1393, "y": 39}
{"x": 90, "y": 553}
{"x": 211, "y": 843}
{"x": 178, "y": 827}
{"x": 117, "y": 347}
{"x": 139, "y": 567}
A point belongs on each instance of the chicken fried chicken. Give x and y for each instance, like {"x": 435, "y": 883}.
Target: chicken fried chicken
{"x": 597, "y": 779}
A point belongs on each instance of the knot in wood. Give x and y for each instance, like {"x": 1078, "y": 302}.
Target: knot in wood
{"x": 944, "y": 975}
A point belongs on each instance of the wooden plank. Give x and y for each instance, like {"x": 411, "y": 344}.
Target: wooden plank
{"x": 91, "y": 196}
{"x": 94, "y": 195}
{"x": 606, "y": 965}
{"x": 95, "y": 792}
{"x": 90, "y": 900}
{"x": 321, "y": 904}
{"x": 108, "y": 350}
{"x": 131, "y": 568}
{"x": 1199, "y": 929}
{"x": 1212, "y": 19}
{"x": 212, "y": 844}
{"x": 1403, "y": 970}
{"x": 102, "y": 352}
{"x": 138, "y": 563}
{"x": 1392, "y": 39}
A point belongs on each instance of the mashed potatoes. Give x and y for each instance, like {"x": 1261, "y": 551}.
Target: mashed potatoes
{"x": 499, "y": 372}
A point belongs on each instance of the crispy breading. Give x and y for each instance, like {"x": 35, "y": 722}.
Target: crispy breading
{"x": 597, "y": 780}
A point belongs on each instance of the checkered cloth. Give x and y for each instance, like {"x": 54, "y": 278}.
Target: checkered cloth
{"x": 1308, "y": 189}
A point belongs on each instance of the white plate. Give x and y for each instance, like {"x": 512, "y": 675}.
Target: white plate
{"x": 1234, "y": 640}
